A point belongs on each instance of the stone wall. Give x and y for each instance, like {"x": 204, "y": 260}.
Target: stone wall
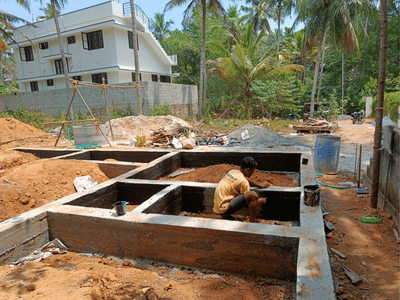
{"x": 389, "y": 177}
{"x": 181, "y": 99}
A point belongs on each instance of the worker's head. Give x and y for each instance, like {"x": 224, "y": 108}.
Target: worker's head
{"x": 248, "y": 166}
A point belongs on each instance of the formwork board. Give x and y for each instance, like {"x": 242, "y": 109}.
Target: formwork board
{"x": 267, "y": 161}
{"x": 134, "y": 194}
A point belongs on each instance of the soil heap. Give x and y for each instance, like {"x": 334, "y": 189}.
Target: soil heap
{"x": 143, "y": 125}
{"x": 260, "y": 137}
{"x": 213, "y": 174}
{"x": 26, "y": 186}
{"x": 11, "y": 128}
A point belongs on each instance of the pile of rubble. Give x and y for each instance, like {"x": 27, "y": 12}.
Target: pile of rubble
{"x": 316, "y": 125}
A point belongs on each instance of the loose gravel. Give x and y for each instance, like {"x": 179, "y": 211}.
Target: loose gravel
{"x": 260, "y": 137}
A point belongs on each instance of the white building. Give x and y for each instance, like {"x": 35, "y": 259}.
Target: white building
{"x": 97, "y": 43}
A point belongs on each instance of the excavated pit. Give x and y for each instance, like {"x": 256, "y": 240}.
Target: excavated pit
{"x": 162, "y": 224}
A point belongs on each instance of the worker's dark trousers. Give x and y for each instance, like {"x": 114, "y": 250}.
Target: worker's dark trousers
{"x": 235, "y": 205}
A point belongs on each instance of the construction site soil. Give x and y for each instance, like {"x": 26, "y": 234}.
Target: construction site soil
{"x": 27, "y": 182}
{"x": 213, "y": 174}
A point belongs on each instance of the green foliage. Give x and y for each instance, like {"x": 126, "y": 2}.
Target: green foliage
{"x": 31, "y": 117}
{"x": 116, "y": 111}
{"x": 333, "y": 110}
{"x": 4, "y": 89}
{"x": 390, "y": 105}
{"x": 370, "y": 88}
{"x": 160, "y": 110}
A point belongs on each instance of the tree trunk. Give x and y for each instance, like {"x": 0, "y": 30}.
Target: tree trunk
{"x": 279, "y": 23}
{"x": 342, "y": 79}
{"x": 316, "y": 69}
{"x": 63, "y": 59}
{"x": 322, "y": 66}
{"x": 247, "y": 95}
{"x": 379, "y": 106}
{"x": 136, "y": 57}
{"x": 202, "y": 58}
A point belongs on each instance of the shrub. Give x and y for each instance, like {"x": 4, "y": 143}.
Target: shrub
{"x": 160, "y": 110}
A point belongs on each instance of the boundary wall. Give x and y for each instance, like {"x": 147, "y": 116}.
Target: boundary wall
{"x": 181, "y": 99}
{"x": 389, "y": 177}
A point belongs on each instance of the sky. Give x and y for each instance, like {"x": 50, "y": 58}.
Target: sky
{"x": 150, "y": 8}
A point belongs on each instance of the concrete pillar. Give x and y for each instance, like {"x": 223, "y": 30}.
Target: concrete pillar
{"x": 368, "y": 106}
{"x": 398, "y": 118}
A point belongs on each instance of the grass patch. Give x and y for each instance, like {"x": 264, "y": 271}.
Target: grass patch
{"x": 222, "y": 126}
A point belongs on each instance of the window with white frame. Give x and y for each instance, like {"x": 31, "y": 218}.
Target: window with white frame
{"x": 26, "y": 53}
{"x": 44, "y": 45}
{"x": 59, "y": 66}
{"x": 164, "y": 78}
{"x": 92, "y": 40}
{"x": 98, "y": 78}
{"x": 34, "y": 86}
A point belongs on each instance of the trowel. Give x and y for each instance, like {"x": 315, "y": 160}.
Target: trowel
{"x": 359, "y": 190}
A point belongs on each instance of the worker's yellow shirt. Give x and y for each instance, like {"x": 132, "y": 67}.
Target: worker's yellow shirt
{"x": 231, "y": 186}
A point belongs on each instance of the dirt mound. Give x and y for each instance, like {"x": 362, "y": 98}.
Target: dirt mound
{"x": 39, "y": 182}
{"x": 213, "y": 174}
{"x": 74, "y": 276}
{"x": 139, "y": 125}
{"x": 11, "y": 128}
{"x": 10, "y": 159}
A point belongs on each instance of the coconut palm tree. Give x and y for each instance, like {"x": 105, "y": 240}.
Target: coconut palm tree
{"x": 334, "y": 18}
{"x": 136, "y": 58}
{"x": 249, "y": 61}
{"x": 48, "y": 12}
{"x": 160, "y": 27}
{"x": 6, "y": 20}
{"x": 214, "y": 5}
{"x": 56, "y": 6}
{"x": 258, "y": 13}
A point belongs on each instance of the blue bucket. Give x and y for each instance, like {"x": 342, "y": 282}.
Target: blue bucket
{"x": 120, "y": 207}
{"x": 326, "y": 153}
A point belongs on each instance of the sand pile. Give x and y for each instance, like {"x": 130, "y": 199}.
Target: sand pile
{"x": 10, "y": 159}
{"x": 39, "y": 182}
{"x": 11, "y": 128}
{"x": 137, "y": 125}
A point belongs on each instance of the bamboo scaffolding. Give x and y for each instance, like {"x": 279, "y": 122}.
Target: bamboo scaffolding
{"x": 99, "y": 85}
{"x": 69, "y": 122}
{"x": 76, "y": 83}
{"x": 107, "y": 110}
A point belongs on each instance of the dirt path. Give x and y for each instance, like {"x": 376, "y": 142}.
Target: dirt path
{"x": 352, "y": 135}
{"x": 371, "y": 249}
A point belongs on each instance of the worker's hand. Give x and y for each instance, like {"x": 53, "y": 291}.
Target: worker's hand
{"x": 264, "y": 186}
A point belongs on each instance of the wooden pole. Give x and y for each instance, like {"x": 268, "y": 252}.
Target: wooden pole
{"x": 376, "y": 160}
{"x": 69, "y": 122}
{"x": 108, "y": 112}
{"x": 65, "y": 118}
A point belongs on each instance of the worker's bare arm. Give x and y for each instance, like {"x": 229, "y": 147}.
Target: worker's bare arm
{"x": 255, "y": 184}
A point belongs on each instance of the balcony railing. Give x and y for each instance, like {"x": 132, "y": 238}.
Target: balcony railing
{"x": 139, "y": 14}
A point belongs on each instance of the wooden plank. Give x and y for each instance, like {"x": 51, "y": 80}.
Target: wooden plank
{"x": 355, "y": 279}
{"x": 340, "y": 254}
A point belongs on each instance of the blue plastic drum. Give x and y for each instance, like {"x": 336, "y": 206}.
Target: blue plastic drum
{"x": 326, "y": 153}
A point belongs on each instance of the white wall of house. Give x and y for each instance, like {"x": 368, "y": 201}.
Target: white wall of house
{"x": 115, "y": 58}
